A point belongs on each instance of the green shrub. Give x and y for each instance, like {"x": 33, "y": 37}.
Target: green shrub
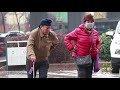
{"x": 105, "y": 47}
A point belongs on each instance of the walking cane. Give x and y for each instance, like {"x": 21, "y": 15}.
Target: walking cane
{"x": 32, "y": 67}
{"x": 33, "y": 70}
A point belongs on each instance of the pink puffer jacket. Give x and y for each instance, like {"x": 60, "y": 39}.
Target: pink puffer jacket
{"x": 82, "y": 41}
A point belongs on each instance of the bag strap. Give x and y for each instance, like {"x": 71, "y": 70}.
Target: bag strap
{"x": 91, "y": 42}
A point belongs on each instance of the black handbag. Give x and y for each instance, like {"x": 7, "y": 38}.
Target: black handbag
{"x": 85, "y": 60}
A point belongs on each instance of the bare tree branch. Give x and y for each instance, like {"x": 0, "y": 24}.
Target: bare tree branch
{"x": 17, "y": 22}
{"x": 18, "y": 19}
{"x": 21, "y": 16}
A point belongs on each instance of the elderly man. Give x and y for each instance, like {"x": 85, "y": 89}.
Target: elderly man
{"x": 41, "y": 41}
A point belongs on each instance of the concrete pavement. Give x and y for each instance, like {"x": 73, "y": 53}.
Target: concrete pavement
{"x": 56, "y": 71}
{"x": 56, "y": 74}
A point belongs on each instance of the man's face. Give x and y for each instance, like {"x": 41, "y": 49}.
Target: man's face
{"x": 45, "y": 29}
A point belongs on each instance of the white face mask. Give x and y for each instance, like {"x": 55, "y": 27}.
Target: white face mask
{"x": 89, "y": 25}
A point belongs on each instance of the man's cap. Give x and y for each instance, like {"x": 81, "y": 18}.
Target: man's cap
{"x": 46, "y": 22}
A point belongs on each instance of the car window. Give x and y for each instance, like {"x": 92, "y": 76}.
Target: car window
{"x": 13, "y": 34}
{"x": 2, "y": 39}
{"x": 1, "y": 45}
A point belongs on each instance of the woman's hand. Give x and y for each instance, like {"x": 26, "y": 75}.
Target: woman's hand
{"x": 74, "y": 49}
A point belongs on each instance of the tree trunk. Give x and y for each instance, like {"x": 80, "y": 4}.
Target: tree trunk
{"x": 17, "y": 22}
{"x": 3, "y": 21}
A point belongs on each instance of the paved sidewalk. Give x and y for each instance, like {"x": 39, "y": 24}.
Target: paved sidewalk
{"x": 57, "y": 74}
{"x": 64, "y": 70}
{"x": 73, "y": 74}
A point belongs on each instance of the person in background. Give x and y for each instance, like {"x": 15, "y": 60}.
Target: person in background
{"x": 40, "y": 42}
{"x": 79, "y": 42}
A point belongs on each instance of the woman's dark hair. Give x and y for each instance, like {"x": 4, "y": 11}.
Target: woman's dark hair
{"x": 88, "y": 17}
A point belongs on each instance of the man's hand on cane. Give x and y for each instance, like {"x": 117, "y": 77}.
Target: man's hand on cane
{"x": 32, "y": 58}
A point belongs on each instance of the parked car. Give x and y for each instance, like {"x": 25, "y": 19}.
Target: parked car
{"x": 2, "y": 39}
{"x": 12, "y": 33}
{"x": 27, "y": 33}
{"x": 21, "y": 32}
{"x": 115, "y": 48}
{"x": 2, "y": 46}
{"x": 2, "y": 49}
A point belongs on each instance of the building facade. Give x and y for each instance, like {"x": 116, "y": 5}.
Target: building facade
{"x": 67, "y": 21}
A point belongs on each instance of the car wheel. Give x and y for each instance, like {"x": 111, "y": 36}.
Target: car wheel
{"x": 115, "y": 67}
